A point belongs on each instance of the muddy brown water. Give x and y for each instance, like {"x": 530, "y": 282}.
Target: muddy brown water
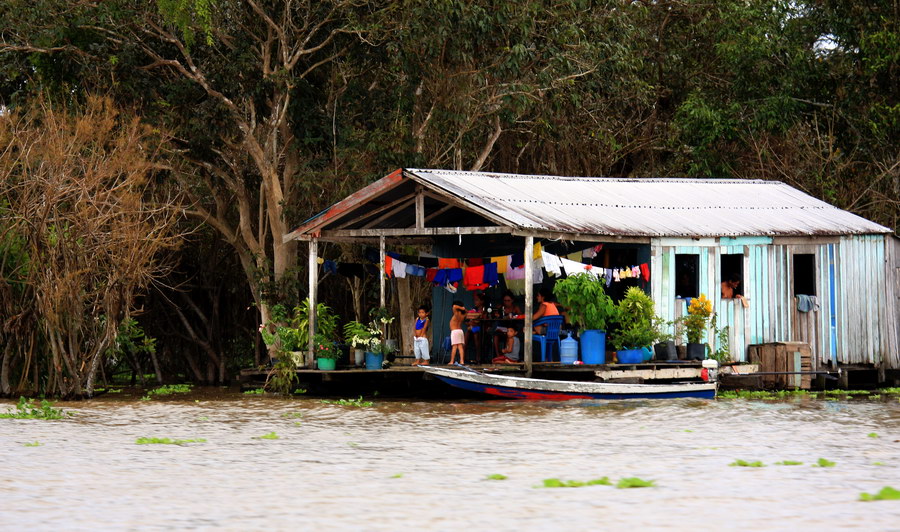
{"x": 424, "y": 465}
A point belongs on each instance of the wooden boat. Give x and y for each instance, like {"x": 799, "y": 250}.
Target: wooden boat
{"x": 552, "y": 390}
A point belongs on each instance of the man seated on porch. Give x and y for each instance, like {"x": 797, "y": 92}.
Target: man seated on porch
{"x": 731, "y": 289}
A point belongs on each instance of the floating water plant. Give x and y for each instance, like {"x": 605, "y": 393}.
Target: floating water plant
{"x": 166, "y": 441}
{"x": 398, "y": 475}
{"x": 877, "y": 463}
{"x": 255, "y": 391}
{"x": 634, "y": 482}
{"x": 34, "y": 444}
{"x": 745, "y": 463}
{"x": 292, "y": 415}
{"x": 26, "y": 409}
{"x": 822, "y": 462}
{"x": 359, "y": 402}
{"x": 496, "y": 476}
{"x": 169, "y": 389}
{"x": 202, "y": 418}
{"x": 269, "y": 436}
{"x": 788, "y": 462}
{"x": 300, "y": 391}
{"x": 894, "y": 391}
{"x": 557, "y": 483}
{"x": 146, "y": 398}
{"x": 873, "y": 435}
{"x": 887, "y": 493}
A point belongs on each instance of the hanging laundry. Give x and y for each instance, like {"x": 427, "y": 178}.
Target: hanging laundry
{"x": 320, "y": 260}
{"x": 428, "y": 262}
{"x": 516, "y": 286}
{"x": 645, "y": 272}
{"x": 399, "y": 269}
{"x": 329, "y": 266}
{"x": 474, "y": 278}
{"x": 635, "y": 271}
{"x": 616, "y": 276}
{"x": 515, "y": 274}
{"x": 448, "y": 263}
{"x": 490, "y": 274}
{"x": 537, "y": 250}
{"x": 430, "y": 274}
{"x": 440, "y": 277}
{"x": 574, "y": 257}
{"x": 572, "y": 267}
{"x": 415, "y": 270}
{"x": 502, "y": 263}
{"x": 454, "y": 275}
{"x": 537, "y": 273}
{"x": 588, "y": 253}
{"x": 392, "y": 254}
{"x": 552, "y": 264}
{"x": 608, "y": 275}
{"x": 518, "y": 259}
{"x": 474, "y": 262}
{"x": 388, "y": 265}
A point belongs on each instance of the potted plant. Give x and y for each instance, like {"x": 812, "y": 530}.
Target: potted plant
{"x": 699, "y": 311}
{"x": 664, "y": 348}
{"x": 326, "y": 351}
{"x": 589, "y": 309}
{"x": 357, "y": 335}
{"x": 371, "y": 337}
{"x": 288, "y": 333}
{"x": 635, "y": 331}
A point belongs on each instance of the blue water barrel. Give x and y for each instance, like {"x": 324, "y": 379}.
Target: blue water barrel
{"x": 593, "y": 346}
{"x": 568, "y": 350}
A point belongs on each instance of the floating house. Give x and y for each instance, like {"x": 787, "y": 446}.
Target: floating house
{"x": 809, "y": 272}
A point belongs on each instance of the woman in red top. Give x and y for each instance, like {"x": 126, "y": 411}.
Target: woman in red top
{"x": 546, "y": 307}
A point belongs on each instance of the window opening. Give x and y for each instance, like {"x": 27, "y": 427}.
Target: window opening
{"x": 732, "y": 268}
{"x": 687, "y": 268}
{"x": 804, "y": 274}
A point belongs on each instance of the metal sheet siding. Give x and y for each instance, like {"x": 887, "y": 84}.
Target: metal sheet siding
{"x": 648, "y": 207}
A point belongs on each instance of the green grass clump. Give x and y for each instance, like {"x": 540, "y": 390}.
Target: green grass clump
{"x": 894, "y": 391}
{"x": 822, "y": 462}
{"x": 873, "y": 435}
{"x": 34, "y": 444}
{"x": 166, "y": 441}
{"x": 557, "y": 483}
{"x": 269, "y": 436}
{"x": 26, "y": 409}
{"x": 788, "y": 462}
{"x": 169, "y": 389}
{"x": 744, "y": 463}
{"x": 887, "y": 493}
{"x": 255, "y": 391}
{"x": 496, "y": 476}
{"x": 634, "y": 482}
{"x": 358, "y": 403}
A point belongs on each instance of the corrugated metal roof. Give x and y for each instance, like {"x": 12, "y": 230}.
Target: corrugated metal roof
{"x": 649, "y": 207}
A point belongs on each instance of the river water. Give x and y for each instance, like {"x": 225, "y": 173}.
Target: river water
{"x": 424, "y": 465}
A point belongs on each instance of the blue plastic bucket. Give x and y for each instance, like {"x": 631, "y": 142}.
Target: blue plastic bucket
{"x": 630, "y": 356}
{"x": 593, "y": 346}
{"x": 374, "y": 361}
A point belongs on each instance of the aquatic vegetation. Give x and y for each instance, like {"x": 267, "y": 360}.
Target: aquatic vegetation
{"x": 876, "y": 396}
{"x": 269, "y": 436}
{"x": 35, "y": 444}
{"x": 398, "y": 475}
{"x": 255, "y": 391}
{"x": 557, "y": 483}
{"x": 300, "y": 391}
{"x": 688, "y": 430}
{"x": 745, "y": 463}
{"x": 297, "y": 423}
{"x": 887, "y": 493}
{"x": 788, "y": 462}
{"x": 26, "y": 409}
{"x": 170, "y": 389}
{"x": 146, "y": 398}
{"x": 496, "y": 476}
{"x": 202, "y": 418}
{"x": 294, "y": 415}
{"x": 893, "y": 391}
{"x": 352, "y": 444}
{"x": 166, "y": 441}
{"x": 847, "y": 392}
{"x": 359, "y": 402}
{"x": 874, "y": 435}
{"x": 634, "y": 482}
{"x": 878, "y": 463}
{"x": 822, "y": 462}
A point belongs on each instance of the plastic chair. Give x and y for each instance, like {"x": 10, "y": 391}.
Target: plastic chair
{"x": 550, "y": 337}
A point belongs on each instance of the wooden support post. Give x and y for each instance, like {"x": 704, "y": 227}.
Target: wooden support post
{"x": 381, "y": 273}
{"x": 420, "y": 208}
{"x": 313, "y": 285}
{"x": 529, "y": 305}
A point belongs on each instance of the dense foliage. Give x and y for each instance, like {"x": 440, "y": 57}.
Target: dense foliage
{"x": 277, "y": 108}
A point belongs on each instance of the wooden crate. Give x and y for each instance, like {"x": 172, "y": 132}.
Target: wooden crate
{"x": 782, "y": 357}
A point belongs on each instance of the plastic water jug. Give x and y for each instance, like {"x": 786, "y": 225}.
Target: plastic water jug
{"x": 568, "y": 350}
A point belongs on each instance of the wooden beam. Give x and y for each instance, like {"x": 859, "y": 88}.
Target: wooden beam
{"x": 392, "y": 212}
{"x": 582, "y": 237}
{"x": 420, "y": 208}
{"x": 412, "y": 231}
{"x": 373, "y": 212}
{"x": 444, "y": 198}
{"x": 529, "y": 307}
{"x": 372, "y": 240}
{"x": 381, "y": 272}
{"x": 313, "y": 284}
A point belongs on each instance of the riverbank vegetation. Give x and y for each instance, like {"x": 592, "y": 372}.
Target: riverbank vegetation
{"x": 152, "y": 154}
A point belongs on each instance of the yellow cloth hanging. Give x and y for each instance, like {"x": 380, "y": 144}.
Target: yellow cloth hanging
{"x": 574, "y": 256}
{"x": 537, "y": 250}
{"x": 502, "y": 263}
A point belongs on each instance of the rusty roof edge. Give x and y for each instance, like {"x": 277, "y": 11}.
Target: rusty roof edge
{"x": 614, "y": 179}
{"x": 459, "y": 197}
{"x": 345, "y": 205}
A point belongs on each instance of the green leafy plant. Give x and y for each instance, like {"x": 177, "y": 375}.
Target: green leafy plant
{"x": 170, "y": 389}
{"x": 26, "y": 409}
{"x": 371, "y": 336}
{"x": 496, "y": 476}
{"x": 325, "y": 348}
{"x": 282, "y": 377}
{"x": 289, "y": 332}
{"x": 887, "y": 493}
{"x": 587, "y": 305}
{"x": 634, "y": 482}
{"x": 166, "y": 441}
{"x": 822, "y": 462}
{"x": 721, "y": 353}
{"x": 745, "y": 463}
{"x": 255, "y": 391}
{"x": 788, "y": 462}
{"x": 873, "y": 435}
{"x": 269, "y": 436}
{"x": 33, "y": 444}
{"x": 358, "y": 403}
{"x": 557, "y": 483}
{"x": 694, "y": 324}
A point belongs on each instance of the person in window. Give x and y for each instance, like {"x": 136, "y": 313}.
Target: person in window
{"x": 731, "y": 289}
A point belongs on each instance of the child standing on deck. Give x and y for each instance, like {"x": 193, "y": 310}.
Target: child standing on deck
{"x": 457, "y": 337}
{"x": 420, "y": 342}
